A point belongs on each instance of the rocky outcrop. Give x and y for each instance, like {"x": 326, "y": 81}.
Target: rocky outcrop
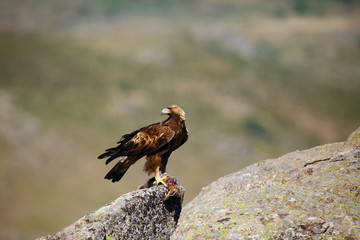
{"x": 141, "y": 214}
{"x": 310, "y": 194}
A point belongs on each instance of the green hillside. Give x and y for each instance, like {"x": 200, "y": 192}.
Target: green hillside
{"x": 255, "y": 80}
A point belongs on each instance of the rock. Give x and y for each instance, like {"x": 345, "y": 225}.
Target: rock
{"x": 310, "y": 194}
{"x": 141, "y": 214}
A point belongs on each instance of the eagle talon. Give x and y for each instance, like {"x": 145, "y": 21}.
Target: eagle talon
{"x": 160, "y": 180}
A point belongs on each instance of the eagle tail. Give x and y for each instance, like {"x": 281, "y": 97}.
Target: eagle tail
{"x": 111, "y": 153}
{"x": 118, "y": 171}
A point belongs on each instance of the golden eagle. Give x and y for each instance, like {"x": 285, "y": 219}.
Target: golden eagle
{"x": 156, "y": 141}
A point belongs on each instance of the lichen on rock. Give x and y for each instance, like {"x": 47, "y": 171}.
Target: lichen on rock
{"x": 310, "y": 194}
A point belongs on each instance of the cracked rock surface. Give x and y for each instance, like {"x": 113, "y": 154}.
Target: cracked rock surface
{"x": 310, "y": 194}
{"x": 141, "y": 214}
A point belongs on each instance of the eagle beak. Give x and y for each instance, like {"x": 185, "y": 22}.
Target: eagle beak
{"x": 165, "y": 111}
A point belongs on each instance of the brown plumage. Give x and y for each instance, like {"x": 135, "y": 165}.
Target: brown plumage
{"x": 156, "y": 141}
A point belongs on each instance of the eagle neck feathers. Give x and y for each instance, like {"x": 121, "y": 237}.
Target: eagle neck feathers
{"x": 174, "y": 122}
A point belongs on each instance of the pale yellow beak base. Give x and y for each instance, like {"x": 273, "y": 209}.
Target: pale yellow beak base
{"x": 165, "y": 111}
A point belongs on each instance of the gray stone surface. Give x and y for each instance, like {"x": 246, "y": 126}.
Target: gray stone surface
{"x": 310, "y": 194}
{"x": 141, "y": 214}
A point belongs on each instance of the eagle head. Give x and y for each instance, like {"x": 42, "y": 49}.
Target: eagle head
{"x": 174, "y": 110}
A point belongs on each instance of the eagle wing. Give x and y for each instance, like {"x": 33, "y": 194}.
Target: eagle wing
{"x": 141, "y": 142}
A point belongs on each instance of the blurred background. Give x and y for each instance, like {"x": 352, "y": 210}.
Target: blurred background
{"x": 256, "y": 78}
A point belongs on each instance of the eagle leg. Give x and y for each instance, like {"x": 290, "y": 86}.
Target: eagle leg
{"x": 158, "y": 178}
